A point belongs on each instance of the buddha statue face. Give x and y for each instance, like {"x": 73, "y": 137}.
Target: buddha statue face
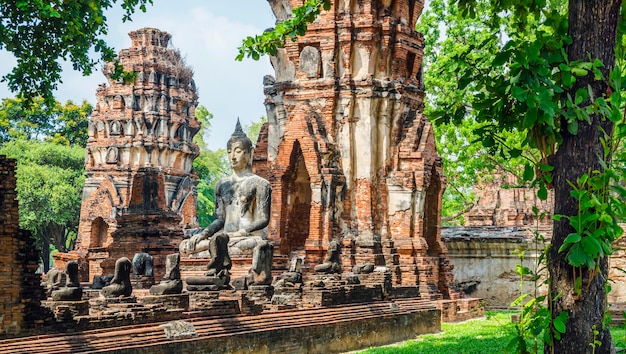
{"x": 239, "y": 150}
{"x": 239, "y": 155}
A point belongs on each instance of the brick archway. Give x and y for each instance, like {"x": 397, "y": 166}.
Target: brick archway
{"x": 298, "y": 185}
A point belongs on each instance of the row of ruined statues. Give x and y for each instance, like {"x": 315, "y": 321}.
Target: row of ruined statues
{"x": 65, "y": 286}
{"x": 242, "y": 214}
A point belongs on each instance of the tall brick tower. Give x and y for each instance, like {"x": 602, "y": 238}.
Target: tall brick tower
{"x": 351, "y": 156}
{"x": 140, "y": 190}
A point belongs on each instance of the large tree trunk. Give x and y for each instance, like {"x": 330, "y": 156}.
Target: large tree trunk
{"x": 59, "y": 236}
{"x": 592, "y": 27}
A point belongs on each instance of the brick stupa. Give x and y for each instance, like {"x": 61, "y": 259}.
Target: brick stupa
{"x": 140, "y": 190}
{"x": 347, "y": 149}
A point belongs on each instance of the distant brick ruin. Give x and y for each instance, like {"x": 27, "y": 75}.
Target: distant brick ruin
{"x": 140, "y": 191}
{"x": 485, "y": 251}
{"x": 502, "y": 202}
{"x": 348, "y": 152}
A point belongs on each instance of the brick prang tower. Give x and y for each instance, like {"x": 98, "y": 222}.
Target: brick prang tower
{"x": 347, "y": 149}
{"x": 140, "y": 190}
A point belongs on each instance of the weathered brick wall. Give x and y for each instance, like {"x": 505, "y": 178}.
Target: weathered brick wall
{"x": 351, "y": 156}
{"x": 20, "y": 290}
{"x": 12, "y": 314}
{"x": 501, "y": 202}
{"x": 485, "y": 261}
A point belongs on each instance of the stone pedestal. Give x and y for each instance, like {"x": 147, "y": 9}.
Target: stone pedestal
{"x": 170, "y": 302}
{"x": 194, "y": 266}
{"x": 207, "y": 283}
{"x": 102, "y": 305}
{"x": 209, "y": 302}
{"x": 287, "y": 297}
{"x": 382, "y": 278}
{"x": 350, "y": 294}
{"x": 61, "y": 308}
{"x": 404, "y": 291}
{"x": 260, "y": 292}
{"x": 247, "y": 305}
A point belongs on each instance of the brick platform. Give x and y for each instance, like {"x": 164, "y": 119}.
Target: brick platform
{"x": 325, "y": 330}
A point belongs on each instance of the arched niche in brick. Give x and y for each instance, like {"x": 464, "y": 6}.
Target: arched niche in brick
{"x": 147, "y": 191}
{"x": 296, "y": 197}
{"x": 300, "y": 149}
{"x": 99, "y": 232}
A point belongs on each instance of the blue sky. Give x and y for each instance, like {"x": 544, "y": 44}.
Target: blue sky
{"x": 207, "y": 33}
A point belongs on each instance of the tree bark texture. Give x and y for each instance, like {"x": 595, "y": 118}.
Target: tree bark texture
{"x": 593, "y": 28}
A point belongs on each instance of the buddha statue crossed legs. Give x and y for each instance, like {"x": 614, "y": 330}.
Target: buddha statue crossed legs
{"x": 242, "y": 214}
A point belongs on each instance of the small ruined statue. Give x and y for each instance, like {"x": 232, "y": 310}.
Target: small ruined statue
{"x": 120, "y": 285}
{"x": 292, "y": 277}
{"x": 55, "y": 279}
{"x": 363, "y": 268}
{"x": 171, "y": 283}
{"x": 100, "y": 281}
{"x": 72, "y": 290}
{"x": 242, "y": 214}
{"x": 142, "y": 276}
{"x": 331, "y": 264}
{"x": 143, "y": 264}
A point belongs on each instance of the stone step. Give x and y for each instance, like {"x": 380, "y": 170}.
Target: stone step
{"x": 141, "y": 336}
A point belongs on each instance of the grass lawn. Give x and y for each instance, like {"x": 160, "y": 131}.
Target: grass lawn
{"x": 619, "y": 336}
{"x": 491, "y": 334}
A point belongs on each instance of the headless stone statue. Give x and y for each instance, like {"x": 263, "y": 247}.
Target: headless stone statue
{"x": 242, "y": 214}
{"x": 72, "y": 290}
{"x": 171, "y": 283}
{"x": 55, "y": 279}
{"x": 142, "y": 276}
{"x": 120, "y": 285}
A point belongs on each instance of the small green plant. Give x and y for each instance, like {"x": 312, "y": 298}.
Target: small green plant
{"x": 536, "y": 324}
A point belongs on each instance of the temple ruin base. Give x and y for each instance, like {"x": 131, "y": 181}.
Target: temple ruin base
{"x": 328, "y": 330}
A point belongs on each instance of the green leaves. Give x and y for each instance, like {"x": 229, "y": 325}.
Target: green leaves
{"x": 64, "y": 124}
{"x": 270, "y": 41}
{"x": 40, "y": 34}
{"x": 596, "y": 223}
{"x": 542, "y": 192}
{"x": 50, "y": 179}
{"x": 559, "y": 324}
